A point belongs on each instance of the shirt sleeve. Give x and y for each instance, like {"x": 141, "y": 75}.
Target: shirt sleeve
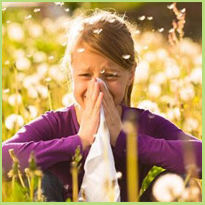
{"x": 164, "y": 145}
{"x": 39, "y": 136}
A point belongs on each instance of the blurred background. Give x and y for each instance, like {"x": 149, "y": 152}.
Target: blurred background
{"x": 168, "y": 79}
{"x": 161, "y": 15}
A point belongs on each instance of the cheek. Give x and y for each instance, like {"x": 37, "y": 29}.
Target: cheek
{"x": 79, "y": 87}
{"x": 117, "y": 90}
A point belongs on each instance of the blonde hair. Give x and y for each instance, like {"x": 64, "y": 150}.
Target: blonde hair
{"x": 109, "y": 34}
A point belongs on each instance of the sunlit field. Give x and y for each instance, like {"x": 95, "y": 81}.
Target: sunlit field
{"x": 168, "y": 82}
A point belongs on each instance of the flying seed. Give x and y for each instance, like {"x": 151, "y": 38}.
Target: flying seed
{"x": 36, "y": 10}
{"x": 171, "y": 30}
{"x": 161, "y": 30}
{"x": 67, "y": 10}
{"x": 80, "y": 50}
{"x": 171, "y": 6}
{"x": 126, "y": 56}
{"x": 102, "y": 71}
{"x": 183, "y": 10}
{"x": 149, "y": 18}
{"x": 28, "y": 17}
{"x": 97, "y": 31}
{"x": 141, "y": 18}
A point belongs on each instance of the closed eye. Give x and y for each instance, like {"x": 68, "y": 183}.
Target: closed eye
{"x": 85, "y": 75}
{"x": 110, "y": 75}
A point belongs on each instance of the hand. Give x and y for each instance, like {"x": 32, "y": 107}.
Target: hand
{"x": 91, "y": 114}
{"x": 112, "y": 115}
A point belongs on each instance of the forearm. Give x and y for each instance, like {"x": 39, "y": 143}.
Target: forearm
{"x": 47, "y": 153}
{"x": 169, "y": 154}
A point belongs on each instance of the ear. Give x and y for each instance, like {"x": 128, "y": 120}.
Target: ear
{"x": 131, "y": 75}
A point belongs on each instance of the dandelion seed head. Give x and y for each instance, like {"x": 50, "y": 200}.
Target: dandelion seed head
{"x": 4, "y": 9}
{"x": 168, "y": 187}
{"x": 191, "y": 194}
{"x": 32, "y": 92}
{"x": 42, "y": 90}
{"x": 23, "y": 64}
{"x": 33, "y": 112}
{"x": 55, "y": 73}
{"x": 161, "y": 54}
{"x": 150, "y": 56}
{"x": 154, "y": 90}
{"x": 172, "y": 71}
{"x": 187, "y": 93}
{"x": 174, "y": 114}
{"x": 12, "y": 120}
{"x": 30, "y": 81}
{"x": 198, "y": 60}
{"x": 191, "y": 124}
{"x": 35, "y": 30}
{"x": 15, "y": 99}
{"x": 21, "y": 76}
{"x": 149, "y": 105}
{"x": 142, "y": 73}
{"x": 39, "y": 57}
{"x": 196, "y": 75}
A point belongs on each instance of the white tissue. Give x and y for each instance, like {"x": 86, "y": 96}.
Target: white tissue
{"x": 100, "y": 179}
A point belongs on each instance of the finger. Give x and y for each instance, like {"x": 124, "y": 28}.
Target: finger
{"x": 90, "y": 88}
{"x": 99, "y": 101}
{"x": 106, "y": 92}
{"x": 96, "y": 91}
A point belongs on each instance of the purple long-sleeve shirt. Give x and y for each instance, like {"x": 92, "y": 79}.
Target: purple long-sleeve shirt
{"x": 54, "y": 139}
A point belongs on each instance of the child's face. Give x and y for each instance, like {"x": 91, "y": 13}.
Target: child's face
{"x": 87, "y": 64}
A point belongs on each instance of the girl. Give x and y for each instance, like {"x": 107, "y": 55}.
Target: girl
{"x": 100, "y": 46}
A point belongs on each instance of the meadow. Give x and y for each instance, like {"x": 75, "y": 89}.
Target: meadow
{"x": 168, "y": 81}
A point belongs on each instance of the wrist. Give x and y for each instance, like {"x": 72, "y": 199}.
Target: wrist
{"x": 115, "y": 136}
{"x": 85, "y": 143}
